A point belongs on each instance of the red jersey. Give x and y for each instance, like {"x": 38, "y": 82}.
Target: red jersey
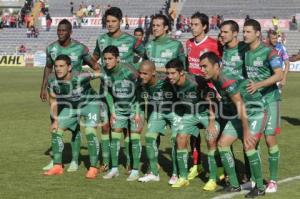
{"x": 195, "y": 50}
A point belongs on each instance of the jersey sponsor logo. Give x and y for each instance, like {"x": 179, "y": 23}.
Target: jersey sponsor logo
{"x": 53, "y": 53}
{"x": 74, "y": 57}
{"x": 123, "y": 48}
{"x": 167, "y": 54}
{"x": 258, "y": 62}
{"x": 236, "y": 58}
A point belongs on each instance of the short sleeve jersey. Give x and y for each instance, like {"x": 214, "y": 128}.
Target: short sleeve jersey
{"x": 160, "y": 97}
{"x": 195, "y": 50}
{"x": 260, "y": 64}
{"x": 120, "y": 82}
{"x": 74, "y": 93}
{"x": 163, "y": 49}
{"x": 127, "y": 45}
{"x": 230, "y": 84}
{"x": 233, "y": 58}
{"x": 77, "y": 51}
{"x": 191, "y": 95}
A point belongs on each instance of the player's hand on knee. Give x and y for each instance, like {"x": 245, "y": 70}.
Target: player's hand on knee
{"x": 138, "y": 122}
{"x": 249, "y": 141}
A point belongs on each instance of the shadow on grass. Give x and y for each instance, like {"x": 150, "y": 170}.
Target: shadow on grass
{"x": 291, "y": 120}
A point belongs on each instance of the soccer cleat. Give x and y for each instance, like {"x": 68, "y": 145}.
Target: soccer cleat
{"x": 149, "y": 177}
{"x": 230, "y": 189}
{"x": 111, "y": 174}
{"x": 173, "y": 179}
{"x": 194, "y": 171}
{"x": 181, "y": 182}
{"x": 271, "y": 187}
{"x": 255, "y": 192}
{"x": 134, "y": 175}
{"x": 49, "y": 166}
{"x": 220, "y": 173}
{"x": 211, "y": 185}
{"x": 92, "y": 173}
{"x": 103, "y": 168}
{"x": 73, "y": 167}
{"x": 55, "y": 170}
{"x": 248, "y": 185}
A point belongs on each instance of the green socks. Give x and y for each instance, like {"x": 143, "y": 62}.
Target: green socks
{"x": 229, "y": 165}
{"x": 212, "y": 165}
{"x": 174, "y": 157}
{"x": 93, "y": 146}
{"x": 57, "y": 146}
{"x": 136, "y": 150}
{"x": 105, "y": 144}
{"x": 152, "y": 153}
{"x": 114, "y": 148}
{"x": 273, "y": 162}
{"x": 127, "y": 149}
{"x": 255, "y": 165}
{"x": 182, "y": 158}
{"x": 75, "y": 145}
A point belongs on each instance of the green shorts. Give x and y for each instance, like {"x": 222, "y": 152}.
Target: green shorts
{"x": 158, "y": 122}
{"x": 256, "y": 123}
{"x": 123, "y": 120}
{"x": 274, "y": 120}
{"x": 69, "y": 118}
{"x": 189, "y": 124}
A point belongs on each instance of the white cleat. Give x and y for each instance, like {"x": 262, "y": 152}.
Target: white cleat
{"x": 173, "y": 180}
{"x": 149, "y": 177}
{"x": 111, "y": 174}
{"x": 73, "y": 167}
{"x": 49, "y": 166}
{"x": 271, "y": 187}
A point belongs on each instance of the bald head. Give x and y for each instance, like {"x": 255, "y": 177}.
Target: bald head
{"x": 147, "y": 71}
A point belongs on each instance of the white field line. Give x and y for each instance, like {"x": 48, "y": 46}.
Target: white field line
{"x": 231, "y": 195}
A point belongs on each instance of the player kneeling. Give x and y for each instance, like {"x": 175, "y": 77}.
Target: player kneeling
{"x": 75, "y": 97}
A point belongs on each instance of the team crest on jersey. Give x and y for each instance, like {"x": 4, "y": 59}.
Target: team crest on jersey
{"x": 167, "y": 53}
{"x": 102, "y": 44}
{"x": 56, "y": 89}
{"x": 235, "y": 58}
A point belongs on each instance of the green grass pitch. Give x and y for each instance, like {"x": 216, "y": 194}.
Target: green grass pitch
{"x": 25, "y": 143}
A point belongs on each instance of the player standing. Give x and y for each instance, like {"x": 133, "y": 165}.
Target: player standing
{"x": 264, "y": 69}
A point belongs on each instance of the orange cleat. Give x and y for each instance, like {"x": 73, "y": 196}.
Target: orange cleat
{"x": 92, "y": 173}
{"x": 57, "y": 169}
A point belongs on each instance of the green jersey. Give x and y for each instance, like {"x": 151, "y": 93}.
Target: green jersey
{"x": 73, "y": 93}
{"x": 77, "y": 51}
{"x": 118, "y": 86}
{"x": 191, "y": 95}
{"x": 127, "y": 45}
{"x": 233, "y": 58}
{"x": 160, "y": 97}
{"x": 230, "y": 84}
{"x": 163, "y": 49}
{"x": 260, "y": 64}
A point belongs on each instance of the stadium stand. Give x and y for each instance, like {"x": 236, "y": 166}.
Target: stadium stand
{"x": 240, "y": 8}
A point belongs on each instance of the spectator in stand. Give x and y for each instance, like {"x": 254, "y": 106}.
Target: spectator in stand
{"x": 247, "y": 17}
{"x": 28, "y": 32}
{"x": 46, "y": 7}
{"x": 293, "y": 23}
{"x": 295, "y": 57}
{"x": 220, "y": 20}
{"x": 1, "y": 23}
{"x": 98, "y": 11}
{"x": 140, "y": 22}
{"x": 34, "y": 32}
{"x": 22, "y": 49}
{"x": 213, "y": 22}
{"x": 71, "y": 8}
{"x": 19, "y": 21}
{"x": 126, "y": 23}
{"x": 146, "y": 23}
{"x": 43, "y": 8}
{"x": 12, "y": 21}
{"x": 275, "y": 22}
{"x": 48, "y": 22}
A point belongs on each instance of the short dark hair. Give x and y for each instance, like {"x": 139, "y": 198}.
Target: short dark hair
{"x": 66, "y": 22}
{"x": 165, "y": 19}
{"x": 212, "y": 57}
{"x": 115, "y": 12}
{"x": 175, "y": 63}
{"x": 65, "y": 58}
{"x": 111, "y": 49}
{"x": 234, "y": 26}
{"x": 272, "y": 32}
{"x": 139, "y": 30}
{"x": 203, "y": 19}
{"x": 254, "y": 23}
